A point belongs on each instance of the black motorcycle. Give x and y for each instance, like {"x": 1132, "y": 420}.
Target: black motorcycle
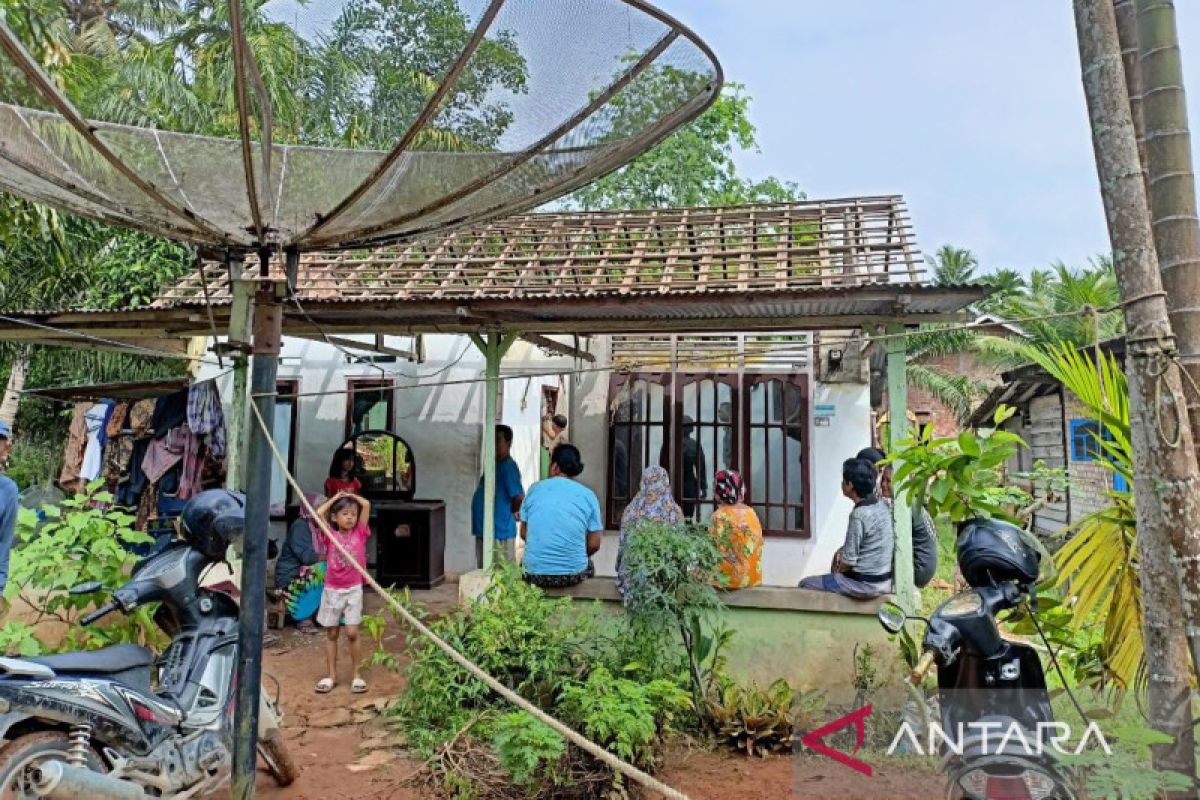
{"x": 89, "y": 724}
{"x": 995, "y": 712}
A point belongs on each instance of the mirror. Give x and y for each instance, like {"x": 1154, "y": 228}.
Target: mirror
{"x": 384, "y": 463}
{"x": 891, "y": 617}
{"x": 91, "y": 587}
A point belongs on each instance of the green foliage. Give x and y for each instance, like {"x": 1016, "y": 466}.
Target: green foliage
{"x": 526, "y": 746}
{"x": 671, "y": 571}
{"x": 77, "y": 542}
{"x": 1125, "y": 774}
{"x": 753, "y": 720}
{"x": 959, "y": 478}
{"x": 694, "y": 166}
{"x": 953, "y": 266}
{"x": 374, "y": 626}
{"x": 621, "y": 715}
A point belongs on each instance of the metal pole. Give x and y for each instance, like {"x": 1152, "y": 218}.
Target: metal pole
{"x": 492, "y": 359}
{"x": 267, "y": 334}
{"x": 897, "y": 383}
{"x": 239, "y": 335}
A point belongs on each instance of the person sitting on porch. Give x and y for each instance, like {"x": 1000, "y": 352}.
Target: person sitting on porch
{"x": 341, "y": 474}
{"x": 509, "y": 496}
{"x": 738, "y": 533}
{"x": 653, "y": 505}
{"x": 924, "y": 534}
{"x": 862, "y": 568}
{"x": 297, "y": 576}
{"x": 561, "y": 524}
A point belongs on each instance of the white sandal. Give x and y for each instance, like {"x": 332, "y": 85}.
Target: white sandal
{"x": 359, "y": 686}
{"x": 325, "y": 685}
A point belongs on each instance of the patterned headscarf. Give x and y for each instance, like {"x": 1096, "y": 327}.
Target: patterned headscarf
{"x": 653, "y": 502}
{"x": 729, "y": 488}
{"x": 318, "y": 535}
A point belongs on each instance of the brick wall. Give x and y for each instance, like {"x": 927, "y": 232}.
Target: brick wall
{"x": 1090, "y": 480}
{"x": 928, "y": 409}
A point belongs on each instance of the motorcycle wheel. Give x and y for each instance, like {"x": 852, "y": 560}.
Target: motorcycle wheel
{"x": 275, "y": 755}
{"x": 26, "y": 751}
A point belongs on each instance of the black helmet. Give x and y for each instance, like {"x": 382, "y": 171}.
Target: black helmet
{"x": 991, "y": 551}
{"x": 211, "y": 520}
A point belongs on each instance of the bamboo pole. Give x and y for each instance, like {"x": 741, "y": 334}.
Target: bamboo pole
{"x": 1165, "y": 482}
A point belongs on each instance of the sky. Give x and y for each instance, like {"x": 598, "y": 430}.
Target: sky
{"x": 971, "y": 109}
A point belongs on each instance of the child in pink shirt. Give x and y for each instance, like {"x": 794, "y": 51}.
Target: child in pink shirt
{"x": 342, "y": 600}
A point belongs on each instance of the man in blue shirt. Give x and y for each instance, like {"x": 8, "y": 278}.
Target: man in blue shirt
{"x": 509, "y": 495}
{"x": 8, "y": 505}
{"x": 561, "y": 524}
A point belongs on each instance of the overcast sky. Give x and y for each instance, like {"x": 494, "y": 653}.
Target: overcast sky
{"x": 972, "y": 109}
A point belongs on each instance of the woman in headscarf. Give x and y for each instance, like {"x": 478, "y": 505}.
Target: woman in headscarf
{"x": 298, "y": 573}
{"x": 738, "y": 533}
{"x": 653, "y": 504}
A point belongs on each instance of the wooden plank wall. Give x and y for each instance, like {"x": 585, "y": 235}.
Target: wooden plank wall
{"x": 1045, "y": 438}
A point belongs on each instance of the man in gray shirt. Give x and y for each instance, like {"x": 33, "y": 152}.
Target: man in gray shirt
{"x": 862, "y": 568}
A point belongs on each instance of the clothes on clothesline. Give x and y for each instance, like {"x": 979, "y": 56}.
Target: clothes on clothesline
{"x": 77, "y": 438}
{"x": 205, "y": 416}
{"x": 93, "y": 454}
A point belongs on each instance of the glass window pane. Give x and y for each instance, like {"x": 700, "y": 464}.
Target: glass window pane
{"x": 756, "y": 457}
{"x": 775, "y": 458}
{"x": 795, "y": 484}
{"x": 622, "y": 407}
{"x": 792, "y": 403}
{"x": 657, "y": 393}
{"x": 776, "y": 519}
{"x": 706, "y": 410}
{"x": 654, "y": 447}
{"x": 620, "y": 461}
{"x": 724, "y": 452}
{"x": 282, "y": 434}
{"x": 758, "y": 400}
{"x": 689, "y": 402}
{"x": 774, "y": 406}
{"x": 638, "y": 407}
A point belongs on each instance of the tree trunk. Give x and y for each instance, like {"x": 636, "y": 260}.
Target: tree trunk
{"x": 1165, "y": 483}
{"x": 1160, "y": 591}
{"x": 16, "y": 384}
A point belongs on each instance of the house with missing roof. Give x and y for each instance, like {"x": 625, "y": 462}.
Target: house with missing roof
{"x": 738, "y": 335}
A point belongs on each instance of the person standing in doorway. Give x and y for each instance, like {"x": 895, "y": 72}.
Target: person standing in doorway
{"x": 509, "y": 496}
{"x": 8, "y": 508}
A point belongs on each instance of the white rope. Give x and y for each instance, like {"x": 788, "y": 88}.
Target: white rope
{"x": 575, "y": 738}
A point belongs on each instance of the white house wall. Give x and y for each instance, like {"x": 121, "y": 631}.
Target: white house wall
{"x": 443, "y": 424}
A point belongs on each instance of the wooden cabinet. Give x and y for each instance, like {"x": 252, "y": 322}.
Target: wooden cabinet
{"x": 410, "y": 537}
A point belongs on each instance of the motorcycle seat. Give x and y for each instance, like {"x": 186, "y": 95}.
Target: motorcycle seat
{"x": 105, "y": 661}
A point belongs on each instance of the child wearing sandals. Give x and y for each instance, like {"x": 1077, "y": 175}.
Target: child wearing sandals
{"x": 342, "y": 600}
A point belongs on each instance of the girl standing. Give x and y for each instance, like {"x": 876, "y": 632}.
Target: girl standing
{"x": 342, "y": 599}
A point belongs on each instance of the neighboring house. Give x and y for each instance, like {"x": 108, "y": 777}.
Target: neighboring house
{"x": 1061, "y": 433}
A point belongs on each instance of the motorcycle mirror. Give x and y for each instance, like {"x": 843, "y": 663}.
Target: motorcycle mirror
{"x": 891, "y": 617}
{"x": 91, "y": 587}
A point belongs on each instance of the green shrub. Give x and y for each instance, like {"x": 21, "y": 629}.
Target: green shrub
{"x": 526, "y": 747}
{"x": 76, "y": 542}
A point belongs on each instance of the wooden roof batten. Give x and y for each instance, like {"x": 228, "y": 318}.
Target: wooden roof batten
{"x": 818, "y": 264}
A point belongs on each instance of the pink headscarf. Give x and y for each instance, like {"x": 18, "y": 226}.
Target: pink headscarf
{"x": 318, "y": 536}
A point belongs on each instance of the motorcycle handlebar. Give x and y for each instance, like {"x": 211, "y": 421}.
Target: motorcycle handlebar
{"x": 922, "y": 667}
{"x": 102, "y": 611}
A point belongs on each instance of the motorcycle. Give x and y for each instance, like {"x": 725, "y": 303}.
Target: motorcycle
{"x": 994, "y": 705}
{"x": 88, "y": 724}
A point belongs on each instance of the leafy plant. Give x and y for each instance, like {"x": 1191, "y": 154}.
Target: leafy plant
{"x": 82, "y": 540}
{"x": 671, "y": 571}
{"x": 621, "y": 715}
{"x": 960, "y": 477}
{"x": 1125, "y": 774}
{"x": 375, "y": 626}
{"x": 753, "y": 720}
{"x": 525, "y": 746}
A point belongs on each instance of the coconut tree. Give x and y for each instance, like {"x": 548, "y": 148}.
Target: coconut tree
{"x": 952, "y": 265}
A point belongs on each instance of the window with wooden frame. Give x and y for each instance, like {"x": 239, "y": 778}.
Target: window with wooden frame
{"x": 695, "y": 424}
{"x": 370, "y": 405}
{"x": 284, "y": 434}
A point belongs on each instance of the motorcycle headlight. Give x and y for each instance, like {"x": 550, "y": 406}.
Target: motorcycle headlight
{"x": 962, "y": 605}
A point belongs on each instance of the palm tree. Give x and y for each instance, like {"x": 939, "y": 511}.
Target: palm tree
{"x": 952, "y": 265}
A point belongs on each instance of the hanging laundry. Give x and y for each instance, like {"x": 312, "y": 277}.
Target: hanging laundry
{"x": 116, "y": 422}
{"x": 76, "y": 444}
{"x": 163, "y": 454}
{"x": 93, "y": 453}
{"x": 140, "y": 417}
{"x": 205, "y": 416}
{"x": 102, "y": 434}
{"x": 190, "y": 482}
{"x": 170, "y": 411}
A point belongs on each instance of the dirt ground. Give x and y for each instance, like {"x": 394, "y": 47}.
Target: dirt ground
{"x": 343, "y": 751}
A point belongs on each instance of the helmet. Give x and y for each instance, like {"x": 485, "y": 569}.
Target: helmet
{"x": 211, "y": 520}
{"x": 991, "y": 551}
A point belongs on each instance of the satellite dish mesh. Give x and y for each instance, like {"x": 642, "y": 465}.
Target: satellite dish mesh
{"x": 333, "y": 123}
